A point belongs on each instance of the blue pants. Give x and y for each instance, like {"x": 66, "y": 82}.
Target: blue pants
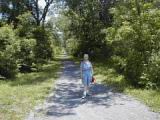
{"x": 86, "y": 78}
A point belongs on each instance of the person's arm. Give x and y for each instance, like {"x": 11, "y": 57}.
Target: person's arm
{"x": 81, "y": 69}
{"x": 92, "y": 69}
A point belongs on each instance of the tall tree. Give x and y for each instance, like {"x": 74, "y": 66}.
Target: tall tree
{"x": 37, "y": 11}
{"x": 13, "y": 8}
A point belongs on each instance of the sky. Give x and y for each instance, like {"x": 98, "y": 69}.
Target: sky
{"x": 42, "y": 4}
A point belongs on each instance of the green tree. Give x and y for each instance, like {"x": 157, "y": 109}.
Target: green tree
{"x": 85, "y": 27}
{"x": 26, "y": 25}
{"x": 43, "y": 49}
{"x": 8, "y": 49}
{"x": 134, "y": 36}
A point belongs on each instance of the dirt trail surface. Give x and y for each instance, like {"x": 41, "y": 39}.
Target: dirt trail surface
{"x": 65, "y": 102}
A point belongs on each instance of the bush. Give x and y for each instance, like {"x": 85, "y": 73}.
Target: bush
{"x": 118, "y": 63}
{"x": 151, "y": 75}
{"x": 8, "y": 66}
{"x": 134, "y": 68}
{"x": 26, "y": 25}
{"x": 8, "y": 49}
{"x": 135, "y": 37}
{"x": 43, "y": 49}
{"x": 26, "y": 54}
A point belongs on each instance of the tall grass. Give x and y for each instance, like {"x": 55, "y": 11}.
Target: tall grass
{"x": 19, "y": 96}
{"x": 106, "y": 74}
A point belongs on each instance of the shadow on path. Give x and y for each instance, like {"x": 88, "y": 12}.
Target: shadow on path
{"x": 68, "y": 93}
{"x": 65, "y": 102}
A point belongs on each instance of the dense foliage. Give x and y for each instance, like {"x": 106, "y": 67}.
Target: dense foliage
{"x": 134, "y": 36}
{"x": 83, "y": 33}
{"x": 125, "y": 31}
{"x": 25, "y": 44}
{"x": 11, "y": 9}
{"x": 8, "y": 49}
{"x": 43, "y": 48}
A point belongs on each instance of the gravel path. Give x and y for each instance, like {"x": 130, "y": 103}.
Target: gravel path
{"x": 66, "y": 103}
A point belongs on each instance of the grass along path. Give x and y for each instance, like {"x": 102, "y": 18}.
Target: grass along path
{"x": 19, "y": 96}
{"x": 107, "y": 75}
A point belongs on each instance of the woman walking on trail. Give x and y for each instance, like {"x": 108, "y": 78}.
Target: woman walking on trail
{"x": 86, "y": 74}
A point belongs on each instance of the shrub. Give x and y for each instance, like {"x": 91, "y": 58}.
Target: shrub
{"x": 151, "y": 75}
{"x": 134, "y": 68}
{"x": 26, "y": 25}
{"x": 8, "y": 48}
{"x": 43, "y": 49}
{"x": 135, "y": 37}
{"x": 119, "y": 63}
{"x": 26, "y": 54}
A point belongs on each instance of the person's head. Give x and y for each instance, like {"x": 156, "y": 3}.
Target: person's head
{"x": 85, "y": 57}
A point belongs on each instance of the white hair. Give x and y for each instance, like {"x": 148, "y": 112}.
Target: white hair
{"x": 86, "y": 55}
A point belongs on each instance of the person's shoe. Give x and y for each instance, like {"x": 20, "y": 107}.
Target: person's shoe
{"x": 84, "y": 96}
